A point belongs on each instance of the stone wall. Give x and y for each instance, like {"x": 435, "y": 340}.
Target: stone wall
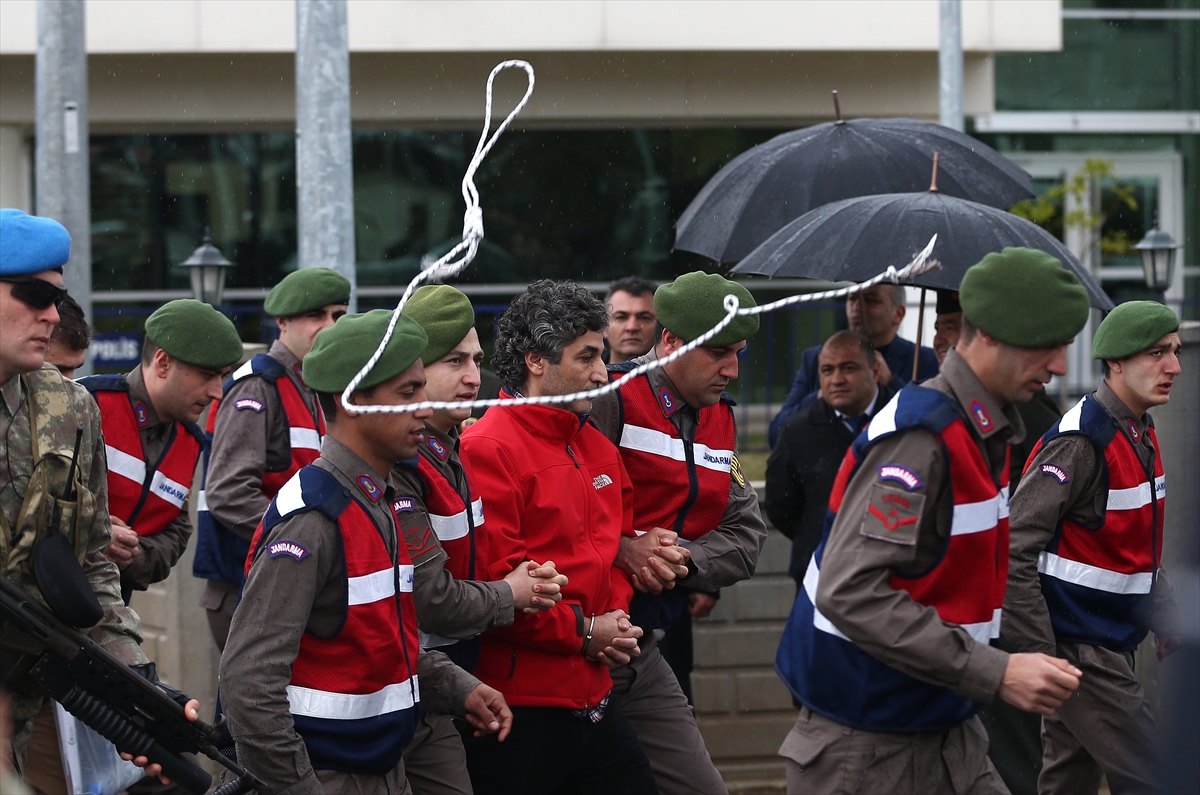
{"x": 743, "y": 708}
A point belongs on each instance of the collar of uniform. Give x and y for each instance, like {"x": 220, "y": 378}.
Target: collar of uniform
{"x": 448, "y": 442}
{"x": 983, "y": 413}
{"x": 660, "y": 381}
{"x": 283, "y": 354}
{"x": 12, "y": 393}
{"x": 1119, "y": 411}
{"x": 352, "y": 466}
{"x": 139, "y": 395}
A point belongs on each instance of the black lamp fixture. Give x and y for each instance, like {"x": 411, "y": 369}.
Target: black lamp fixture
{"x": 207, "y": 267}
{"x": 1158, "y": 260}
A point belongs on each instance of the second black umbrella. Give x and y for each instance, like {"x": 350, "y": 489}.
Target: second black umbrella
{"x": 853, "y": 240}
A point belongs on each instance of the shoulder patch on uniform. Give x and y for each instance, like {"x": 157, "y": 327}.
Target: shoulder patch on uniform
{"x": 667, "y": 401}
{"x": 982, "y": 418}
{"x": 370, "y": 488}
{"x": 1133, "y": 430}
{"x": 438, "y": 448}
{"x": 291, "y": 549}
{"x": 902, "y": 475}
{"x": 404, "y": 505}
{"x": 248, "y": 403}
{"x": 142, "y": 416}
{"x": 1056, "y": 472}
{"x": 892, "y": 516}
{"x": 735, "y": 471}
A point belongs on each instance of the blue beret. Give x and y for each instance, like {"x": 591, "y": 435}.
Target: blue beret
{"x": 30, "y": 244}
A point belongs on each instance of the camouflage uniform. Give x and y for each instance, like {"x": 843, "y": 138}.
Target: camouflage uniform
{"x": 60, "y": 407}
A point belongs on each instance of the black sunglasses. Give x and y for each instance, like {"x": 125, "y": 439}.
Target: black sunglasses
{"x": 37, "y": 293}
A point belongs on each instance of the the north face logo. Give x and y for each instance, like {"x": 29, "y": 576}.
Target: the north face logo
{"x": 600, "y": 481}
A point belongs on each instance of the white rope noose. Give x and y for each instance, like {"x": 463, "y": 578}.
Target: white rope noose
{"x": 447, "y": 266}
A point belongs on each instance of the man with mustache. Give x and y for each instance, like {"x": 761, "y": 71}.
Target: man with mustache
{"x": 890, "y": 644}
{"x": 698, "y": 519}
{"x": 151, "y": 437}
{"x": 1085, "y": 582}
{"x": 876, "y": 312}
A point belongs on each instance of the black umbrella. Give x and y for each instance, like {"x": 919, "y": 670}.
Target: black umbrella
{"x": 763, "y": 189}
{"x": 854, "y": 239}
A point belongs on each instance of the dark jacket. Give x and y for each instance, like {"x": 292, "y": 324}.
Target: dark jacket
{"x": 800, "y": 474}
{"x": 899, "y": 357}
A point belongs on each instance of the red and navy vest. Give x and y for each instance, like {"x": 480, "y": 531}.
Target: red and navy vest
{"x": 832, "y": 676}
{"x": 145, "y": 495}
{"x": 354, "y": 696}
{"x": 455, "y": 524}
{"x": 1098, "y": 581}
{"x": 221, "y": 553}
{"x": 680, "y": 483}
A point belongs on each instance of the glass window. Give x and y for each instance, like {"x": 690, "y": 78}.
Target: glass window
{"x": 1108, "y": 64}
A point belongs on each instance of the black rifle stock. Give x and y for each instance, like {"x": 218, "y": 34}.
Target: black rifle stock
{"x": 111, "y": 698}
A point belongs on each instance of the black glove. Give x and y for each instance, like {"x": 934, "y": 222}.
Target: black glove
{"x": 149, "y": 672}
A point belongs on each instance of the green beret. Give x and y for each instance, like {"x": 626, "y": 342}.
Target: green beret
{"x": 1024, "y": 297}
{"x": 1132, "y": 328}
{"x": 694, "y": 303}
{"x": 305, "y": 290}
{"x": 341, "y": 350}
{"x": 445, "y": 314}
{"x": 193, "y": 332}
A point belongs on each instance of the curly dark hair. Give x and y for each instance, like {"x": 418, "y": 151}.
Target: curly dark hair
{"x": 545, "y": 319}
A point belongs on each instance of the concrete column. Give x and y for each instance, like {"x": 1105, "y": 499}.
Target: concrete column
{"x": 63, "y": 185}
{"x": 950, "y": 65}
{"x": 324, "y": 162}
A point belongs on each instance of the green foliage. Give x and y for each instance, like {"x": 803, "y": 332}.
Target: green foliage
{"x": 1096, "y": 179}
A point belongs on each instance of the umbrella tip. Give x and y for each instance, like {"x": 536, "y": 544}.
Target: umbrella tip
{"x": 837, "y": 107}
{"x": 933, "y": 180}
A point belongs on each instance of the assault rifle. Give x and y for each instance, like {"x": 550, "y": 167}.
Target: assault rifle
{"x": 107, "y": 695}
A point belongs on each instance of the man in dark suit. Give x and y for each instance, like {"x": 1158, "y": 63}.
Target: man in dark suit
{"x": 812, "y": 442}
{"x": 877, "y": 312}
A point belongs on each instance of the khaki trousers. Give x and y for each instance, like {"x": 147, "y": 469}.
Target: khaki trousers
{"x": 43, "y": 766}
{"x": 337, "y": 783}
{"x": 435, "y": 762}
{"x": 1105, "y": 728}
{"x": 824, "y": 757}
{"x": 665, "y": 722}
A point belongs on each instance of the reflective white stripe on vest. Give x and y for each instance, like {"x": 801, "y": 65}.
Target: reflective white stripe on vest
{"x": 812, "y": 576}
{"x": 305, "y": 438}
{"x": 170, "y": 490}
{"x": 125, "y": 465}
{"x": 448, "y": 528}
{"x": 243, "y": 371}
{"x": 1070, "y": 420}
{"x": 477, "y": 511}
{"x": 347, "y": 706}
{"x": 648, "y": 440}
{"x": 378, "y": 585}
{"x": 976, "y": 517}
{"x": 201, "y": 500}
{"x": 1093, "y": 576}
{"x": 984, "y": 631}
{"x": 885, "y": 420}
{"x": 290, "y": 498}
{"x": 1136, "y": 497}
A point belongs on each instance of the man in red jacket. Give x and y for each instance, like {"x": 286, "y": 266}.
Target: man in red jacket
{"x": 555, "y": 489}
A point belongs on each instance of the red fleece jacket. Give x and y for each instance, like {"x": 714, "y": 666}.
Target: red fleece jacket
{"x": 553, "y": 488}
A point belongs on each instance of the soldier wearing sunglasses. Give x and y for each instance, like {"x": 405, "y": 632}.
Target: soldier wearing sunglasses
{"x": 53, "y": 477}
